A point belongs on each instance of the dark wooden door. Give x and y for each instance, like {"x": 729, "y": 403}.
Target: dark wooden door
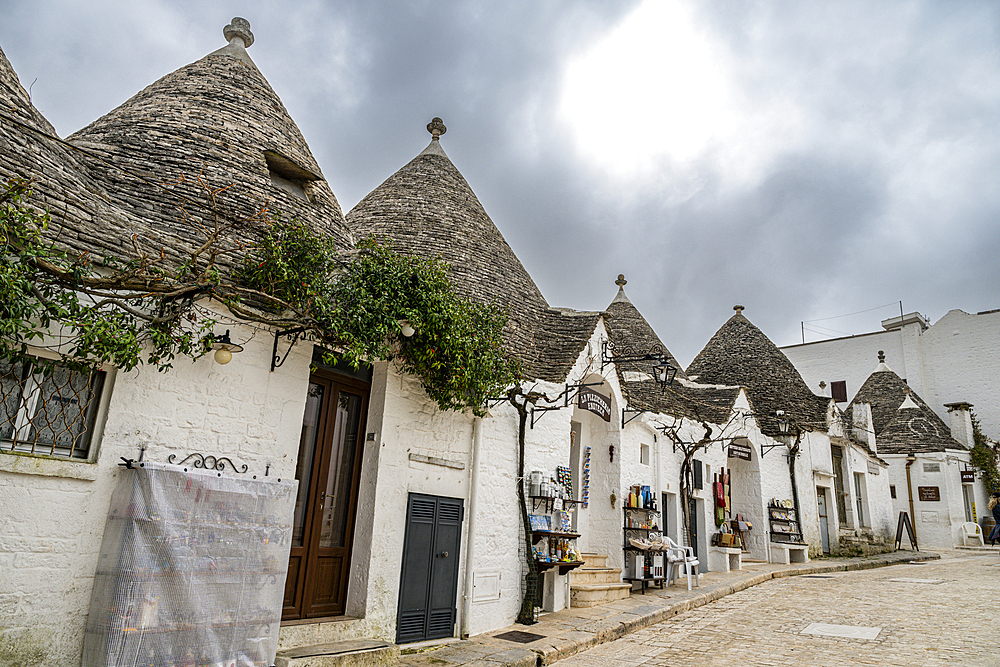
{"x": 328, "y": 470}
{"x": 428, "y": 587}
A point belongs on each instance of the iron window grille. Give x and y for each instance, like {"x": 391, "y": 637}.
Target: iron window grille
{"x": 48, "y": 408}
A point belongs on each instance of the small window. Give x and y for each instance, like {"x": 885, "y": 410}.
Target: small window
{"x": 892, "y": 490}
{"x": 838, "y": 390}
{"x": 644, "y": 454}
{"x": 288, "y": 176}
{"x": 48, "y": 408}
{"x": 696, "y": 473}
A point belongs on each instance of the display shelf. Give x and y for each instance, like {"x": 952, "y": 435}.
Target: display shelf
{"x": 783, "y": 526}
{"x": 548, "y": 502}
{"x": 537, "y": 535}
{"x": 563, "y": 565}
{"x": 647, "y": 510}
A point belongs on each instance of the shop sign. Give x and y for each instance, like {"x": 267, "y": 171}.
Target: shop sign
{"x": 739, "y": 450}
{"x": 968, "y": 476}
{"x": 591, "y": 401}
{"x": 929, "y": 494}
{"x": 872, "y": 468}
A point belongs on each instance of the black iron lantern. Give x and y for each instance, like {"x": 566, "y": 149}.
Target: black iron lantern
{"x": 783, "y": 424}
{"x": 665, "y": 373}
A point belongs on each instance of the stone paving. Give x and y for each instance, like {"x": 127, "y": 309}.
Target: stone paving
{"x": 942, "y": 612}
{"x": 573, "y": 631}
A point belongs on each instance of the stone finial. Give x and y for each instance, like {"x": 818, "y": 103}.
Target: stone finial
{"x": 881, "y": 356}
{"x": 738, "y": 309}
{"x": 436, "y": 127}
{"x": 621, "y": 282}
{"x": 238, "y": 28}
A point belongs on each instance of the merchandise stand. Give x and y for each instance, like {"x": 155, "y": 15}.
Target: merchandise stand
{"x": 641, "y": 521}
{"x": 192, "y": 569}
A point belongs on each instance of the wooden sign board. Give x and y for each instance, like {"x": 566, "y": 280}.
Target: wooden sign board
{"x": 739, "y": 450}
{"x": 929, "y": 494}
{"x": 599, "y": 404}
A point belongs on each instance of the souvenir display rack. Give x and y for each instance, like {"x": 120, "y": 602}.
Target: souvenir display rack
{"x": 192, "y": 569}
{"x": 784, "y": 527}
{"x": 552, "y": 538}
{"x": 641, "y": 521}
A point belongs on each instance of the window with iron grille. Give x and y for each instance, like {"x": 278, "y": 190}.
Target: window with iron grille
{"x": 48, "y": 408}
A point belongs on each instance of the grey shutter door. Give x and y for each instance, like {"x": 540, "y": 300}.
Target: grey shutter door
{"x": 428, "y": 586}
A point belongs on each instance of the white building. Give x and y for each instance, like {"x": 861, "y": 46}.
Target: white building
{"x": 930, "y": 474}
{"x": 953, "y": 360}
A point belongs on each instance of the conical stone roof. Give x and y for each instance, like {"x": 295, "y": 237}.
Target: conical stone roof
{"x": 630, "y": 333}
{"x": 219, "y": 120}
{"x": 428, "y": 209}
{"x": 740, "y": 354}
{"x": 903, "y": 422}
{"x": 29, "y": 148}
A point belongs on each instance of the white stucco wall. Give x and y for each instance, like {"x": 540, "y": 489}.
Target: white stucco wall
{"x": 953, "y": 360}
{"x": 55, "y": 510}
{"x": 938, "y": 523}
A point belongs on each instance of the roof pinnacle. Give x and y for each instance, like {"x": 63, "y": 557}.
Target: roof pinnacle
{"x": 238, "y": 28}
{"x": 436, "y": 127}
{"x": 881, "y": 356}
{"x": 738, "y": 309}
{"x": 621, "y": 282}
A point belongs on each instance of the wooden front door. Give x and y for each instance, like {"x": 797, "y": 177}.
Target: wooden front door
{"x": 329, "y": 466}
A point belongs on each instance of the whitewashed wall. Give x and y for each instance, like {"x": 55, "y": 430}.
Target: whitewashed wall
{"x": 938, "y": 524}
{"x": 55, "y": 510}
{"x": 952, "y": 361}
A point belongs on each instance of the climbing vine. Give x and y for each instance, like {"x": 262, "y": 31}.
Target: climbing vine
{"x": 984, "y": 456}
{"x": 145, "y": 310}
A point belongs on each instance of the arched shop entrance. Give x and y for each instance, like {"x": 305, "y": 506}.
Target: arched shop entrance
{"x": 745, "y": 496}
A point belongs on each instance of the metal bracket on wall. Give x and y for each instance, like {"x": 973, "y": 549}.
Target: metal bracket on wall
{"x": 295, "y": 333}
{"x": 635, "y": 413}
{"x": 209, "y": 462}
{"x": 571, "y": 387}
{"x": 541, "y": 412}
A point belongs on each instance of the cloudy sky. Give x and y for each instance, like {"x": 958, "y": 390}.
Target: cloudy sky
{"x": 804, "y": 159}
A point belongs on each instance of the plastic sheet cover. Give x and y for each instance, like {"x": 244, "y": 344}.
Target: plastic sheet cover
{"x": 192, "y": 570}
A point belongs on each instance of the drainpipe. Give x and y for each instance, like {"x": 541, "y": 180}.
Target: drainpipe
{"x": 470, "y": 552}
{"x": 910, "y": 458}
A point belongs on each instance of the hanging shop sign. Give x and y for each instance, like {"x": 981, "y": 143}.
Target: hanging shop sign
{"x": 929, "y": 493}
{"x": 739, "y": 450}
{"x": 873, "y": 468}
{"x": 968, "y": 476}
{"x": 591, "y": 401}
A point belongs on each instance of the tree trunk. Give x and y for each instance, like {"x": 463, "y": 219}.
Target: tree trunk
{"x": 526, "y": 615}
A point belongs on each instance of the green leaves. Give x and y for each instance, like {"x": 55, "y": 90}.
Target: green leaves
{"x": 130, "y": 311}
{"x": 457, "y": 350}
{"x": 984, "y": 456}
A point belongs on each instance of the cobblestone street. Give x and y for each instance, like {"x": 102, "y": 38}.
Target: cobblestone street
{"x": 939, "y": 613}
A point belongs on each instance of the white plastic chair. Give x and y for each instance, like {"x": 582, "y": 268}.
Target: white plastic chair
{"x": 681, "y": 558}
{"x": 971, "y": 530}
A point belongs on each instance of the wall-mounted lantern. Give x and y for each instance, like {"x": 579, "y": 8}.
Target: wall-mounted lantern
{"x": 224, "y": 348}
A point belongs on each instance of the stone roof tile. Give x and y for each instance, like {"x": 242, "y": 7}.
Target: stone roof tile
{"x": 428, "y": 209}
{"x": 915, "y": 428}
{"x": 217, "y": 119}
{"x": 740, "y": 354}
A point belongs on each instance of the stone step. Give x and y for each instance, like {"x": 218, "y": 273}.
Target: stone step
{"x": 595, "y": 575}
{"x": 595, "y": 560}
{"x": 354, "y": 653}
{"x": 592, "y": 595}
